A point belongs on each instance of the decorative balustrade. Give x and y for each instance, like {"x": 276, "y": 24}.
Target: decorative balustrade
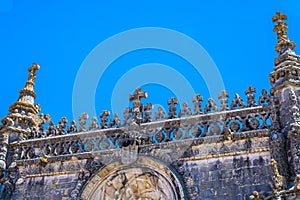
{"x": 167, "y": 130}
{"x": 141, "y": 127}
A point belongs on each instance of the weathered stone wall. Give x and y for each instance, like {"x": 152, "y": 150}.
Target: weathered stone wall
{"x": 232, "y": 177}
{"x": 46, "y": 187}
{"x": 54, "y": 181}
{"x": 207, "y": 168}
{"x": 228, "y": 170}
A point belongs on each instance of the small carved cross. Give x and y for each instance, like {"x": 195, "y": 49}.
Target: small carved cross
{"x": 32, "y": 70}
{"x": 138, "y": 95}
{"x": 279, "y": 17}
{"x": 224, "y": 100}
{"x": 172, "y": 108}
{"x": 173, "y": 101}
{"x": 250, "y": 90}
{"x": 223, "y": 94}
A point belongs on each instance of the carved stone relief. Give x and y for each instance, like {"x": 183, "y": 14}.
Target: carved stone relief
{"x": 133, "y": 182}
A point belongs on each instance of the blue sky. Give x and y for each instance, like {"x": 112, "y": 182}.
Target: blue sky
{"x": 59, "y": 36}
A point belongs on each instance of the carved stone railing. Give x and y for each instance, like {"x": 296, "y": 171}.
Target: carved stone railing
{"x": 198, "y": 126}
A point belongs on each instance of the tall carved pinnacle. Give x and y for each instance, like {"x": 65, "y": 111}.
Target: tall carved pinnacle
{"x": 29, "y": 87}
{"x": 23, "y": 113}
{"x": 284, "y": 43}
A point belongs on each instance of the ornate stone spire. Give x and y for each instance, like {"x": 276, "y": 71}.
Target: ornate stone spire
{"x": 30, "y": 82}
{"x": 284, "y": 43}
{"x": 23, "y": 113}
{"x": 27, "y": 94}
{"x": 287, "y": 64}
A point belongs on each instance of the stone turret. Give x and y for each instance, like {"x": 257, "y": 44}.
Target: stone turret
{"x": 285, "y": 88}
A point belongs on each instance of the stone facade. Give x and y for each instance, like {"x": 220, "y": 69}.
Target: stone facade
{"x": 239, "y": 150}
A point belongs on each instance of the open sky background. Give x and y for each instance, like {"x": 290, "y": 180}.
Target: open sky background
{"x": 59, "y": 35}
